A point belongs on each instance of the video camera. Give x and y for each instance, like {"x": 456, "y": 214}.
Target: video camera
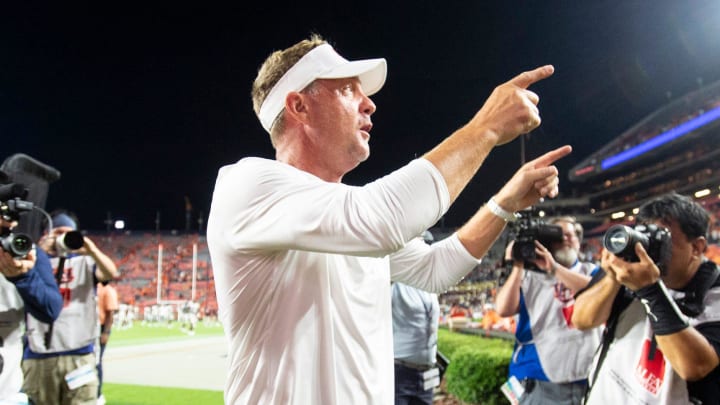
{"x": 528, "y": 229}
{"x": 620, "y": 240}
{"x": 24, "y": 185}
{"x": 12, "y": 204}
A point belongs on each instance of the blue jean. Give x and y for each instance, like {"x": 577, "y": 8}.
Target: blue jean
{"x": 409, "y": 387}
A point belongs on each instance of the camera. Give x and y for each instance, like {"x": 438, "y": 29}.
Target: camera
{"x": 620, "y": 240}
{"x": 17, "y": 244}
{"x": 11, "y": 206}
{"x": 69, "y": 241}
{"x": 527, "y": 230}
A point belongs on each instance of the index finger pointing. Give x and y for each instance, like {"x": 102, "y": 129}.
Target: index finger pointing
{"x": 525, "y": 79}
{"x": 552, "y": 156}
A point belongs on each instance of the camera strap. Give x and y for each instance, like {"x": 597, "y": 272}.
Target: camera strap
{"x": 706, "y": 277}
{"x": 621, "y": 301}
{"x": 60, "y": 270}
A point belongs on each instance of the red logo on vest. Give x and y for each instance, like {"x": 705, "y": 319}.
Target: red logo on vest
{"x": 565, "y": 296}
{"x": 65, "y": 291}
{"x": 650, "y": 370}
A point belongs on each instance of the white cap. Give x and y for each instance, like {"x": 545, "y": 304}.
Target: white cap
{"x": 321, "y": 63}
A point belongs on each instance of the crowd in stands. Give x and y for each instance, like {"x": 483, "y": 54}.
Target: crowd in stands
{"x": 137, "y": 257}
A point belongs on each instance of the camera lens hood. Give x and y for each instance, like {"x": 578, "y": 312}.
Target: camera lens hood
{"x": 72, "y": 240}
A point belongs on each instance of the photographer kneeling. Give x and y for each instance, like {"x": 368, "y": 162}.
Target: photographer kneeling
{"x": 551, "y": 358}
{"x": 662, "y": 314}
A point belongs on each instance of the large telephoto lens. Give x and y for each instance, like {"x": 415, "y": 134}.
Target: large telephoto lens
{"x": 72, "y": 240}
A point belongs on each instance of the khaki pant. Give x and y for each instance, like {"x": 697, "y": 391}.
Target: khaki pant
{"x": 45, "y": 380}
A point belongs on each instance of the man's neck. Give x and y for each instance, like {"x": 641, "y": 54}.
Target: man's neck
{"x": 679, "y": 281}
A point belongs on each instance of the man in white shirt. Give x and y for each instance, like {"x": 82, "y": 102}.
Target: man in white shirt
{"x": 303, "y": 263}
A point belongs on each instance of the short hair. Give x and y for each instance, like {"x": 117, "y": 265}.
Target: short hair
{"x": 273, "y": 69}
{"x": 572, "y": 220}
{"x": 693, "y": 219}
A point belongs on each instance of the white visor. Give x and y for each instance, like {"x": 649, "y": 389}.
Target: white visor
{"x": 321, "y": 63}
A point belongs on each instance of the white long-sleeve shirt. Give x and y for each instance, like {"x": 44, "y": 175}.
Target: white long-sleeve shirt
{"x": 302, "y": 274}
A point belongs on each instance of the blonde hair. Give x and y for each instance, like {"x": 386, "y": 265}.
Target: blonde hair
{"x": 273, "y": 69}
{"x": 570, "y": 219}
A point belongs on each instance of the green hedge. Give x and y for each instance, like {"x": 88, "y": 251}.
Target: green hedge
{"x": 478, "y": 366}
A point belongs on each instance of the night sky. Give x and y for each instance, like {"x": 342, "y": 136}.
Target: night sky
{"x": 139, "y": 107}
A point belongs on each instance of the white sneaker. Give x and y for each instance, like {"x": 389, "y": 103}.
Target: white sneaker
{"x": 101, "y": 400}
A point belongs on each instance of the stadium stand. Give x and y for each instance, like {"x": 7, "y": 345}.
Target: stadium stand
{"x": 136, "y": 256}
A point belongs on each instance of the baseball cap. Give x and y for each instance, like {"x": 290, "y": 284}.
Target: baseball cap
{"x": 322, "y": 62}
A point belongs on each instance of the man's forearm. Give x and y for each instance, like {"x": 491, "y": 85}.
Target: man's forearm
{"x": 107, "y": 267}
{"x": 507, "y": 301}
{"x": 460, "y": 156}
{"x": 689, "y": 352}
{"x": 572, "y": 280}
{"x": 592, "y": 306}
{"x": 480, "y": 232}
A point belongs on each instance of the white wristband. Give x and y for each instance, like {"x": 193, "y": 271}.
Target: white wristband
{"x": 500, "y": 211}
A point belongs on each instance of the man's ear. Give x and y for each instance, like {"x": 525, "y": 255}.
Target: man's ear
{"x": 699, "y": 245}
{"x": 296, "y": 107}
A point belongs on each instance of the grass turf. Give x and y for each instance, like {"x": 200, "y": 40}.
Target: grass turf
{"x": 142, "y": 334}
{"x": 124, "y": 394}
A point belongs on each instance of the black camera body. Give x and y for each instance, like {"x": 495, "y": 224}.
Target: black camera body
{"x": 11, "y": 206}
{"x": 620, "y": 240}
{"x": 527, "y": 230}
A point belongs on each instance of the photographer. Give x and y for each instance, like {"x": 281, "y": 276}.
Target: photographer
{"x": 662, "y": 315}
{"x": 551, "y": 358}
{"x": 26, "y": 285}
{"x": 59, "y": 360}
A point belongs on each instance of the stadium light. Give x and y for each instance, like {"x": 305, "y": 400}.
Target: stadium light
{"x": 119, "y": 224}
{"x": 541, "y": 213}
{"x": 635, "y": 211}
{"x": 702, "y": 193}
{"x": 617, "y": 215}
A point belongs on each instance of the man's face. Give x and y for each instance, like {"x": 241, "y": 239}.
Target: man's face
{"x": 61, "y": 230}
{"x": 566, "y": 252}
{"x": 50, "y": 244}
{"x": 683, "y": 251}
{"x": 339, "y": 122}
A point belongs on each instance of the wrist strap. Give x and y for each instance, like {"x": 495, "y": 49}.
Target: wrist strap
{"x": 664, "y": 315}
{"x": 499, "y": 211}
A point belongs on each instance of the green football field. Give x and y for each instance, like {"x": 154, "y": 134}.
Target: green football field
{"x": 123, "y": 394}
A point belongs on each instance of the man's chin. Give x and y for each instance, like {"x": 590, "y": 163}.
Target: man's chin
{"x": 566, "y": 256}
{"x": 364, "y": 153}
